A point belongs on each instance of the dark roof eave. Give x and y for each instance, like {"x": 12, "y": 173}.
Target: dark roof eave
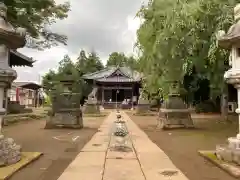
{"x": 18, "y": 59}
{"x": 27, "y": 85}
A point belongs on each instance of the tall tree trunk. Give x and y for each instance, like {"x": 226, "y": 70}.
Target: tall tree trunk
{"x": 224, "y": 102}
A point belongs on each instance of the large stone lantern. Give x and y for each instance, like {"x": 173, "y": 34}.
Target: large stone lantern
{"x": 66, "y": 110}
{"x": 231, "y": 42}
{"x": 10, "y": 38}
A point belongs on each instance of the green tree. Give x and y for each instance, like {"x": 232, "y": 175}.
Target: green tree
{"x": 116, "y": 59}
{"x": 81, "y": 63}
{"x": 35, "y": 16}
{"x": 87, "y": 64}
{"x": 177, "y": 36}
{"x": 65, "y": 64}
{"x": 48, "y": 80}
{"x": 120, "y": 59}
{"x": 93, "y": 62}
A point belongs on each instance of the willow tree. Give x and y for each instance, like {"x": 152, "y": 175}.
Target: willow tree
{"x": 178, "y": 36}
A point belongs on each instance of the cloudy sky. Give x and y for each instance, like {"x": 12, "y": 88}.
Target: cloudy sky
{"x": 102, "y": 25}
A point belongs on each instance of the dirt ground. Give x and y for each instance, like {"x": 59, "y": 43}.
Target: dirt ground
{"x": 182, "y": 145}
{"x": 57, "y": 145}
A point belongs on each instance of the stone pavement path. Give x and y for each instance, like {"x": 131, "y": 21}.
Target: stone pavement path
{"x": 146, "y": 161}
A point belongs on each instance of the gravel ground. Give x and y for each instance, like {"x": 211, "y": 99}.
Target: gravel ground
{"x": 182, "y": 145}
{"x": 60, "y": 146}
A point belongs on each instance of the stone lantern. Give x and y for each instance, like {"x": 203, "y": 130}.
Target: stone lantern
{"x": 174, "y": 112}
{"x": 10, "y": 38}
{"x": 231, "y": 42}
{"x": 65, "y": 110}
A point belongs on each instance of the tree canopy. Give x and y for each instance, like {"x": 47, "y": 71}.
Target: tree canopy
{"x": 36, "y": 16}
{"x": 177, "y": 38}
{"x": 120, "y": 59}
{"x": 84, "y": 64}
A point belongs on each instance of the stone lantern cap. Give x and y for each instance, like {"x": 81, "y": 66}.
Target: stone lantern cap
{"x": 11, "y": 37}
{"x": 232, "y": 37}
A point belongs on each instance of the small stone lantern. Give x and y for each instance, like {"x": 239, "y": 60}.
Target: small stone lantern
{"x": 10, "y": 38}
{"x": 231, "y": 42}
{"x": 66, "y": 110}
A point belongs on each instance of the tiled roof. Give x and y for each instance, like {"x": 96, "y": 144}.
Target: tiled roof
{"x": 19, "y": 59}
{"x": 104, "y": 75}
{"x": 28, "y": 85}
{"x": 115, "y": 79}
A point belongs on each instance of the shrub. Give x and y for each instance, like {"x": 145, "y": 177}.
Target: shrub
{"x": 206, "y": 107}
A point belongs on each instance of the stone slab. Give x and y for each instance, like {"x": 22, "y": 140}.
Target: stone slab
{"x": 100, "y": 140}
{"x": 122, "y": 169}
{"x": 158, "y": 166}
{"x": 154, "y": 162}
{"x": 97, "y": 143}
{"x": 86, "y": 166}
{"x": 121, "y": 155}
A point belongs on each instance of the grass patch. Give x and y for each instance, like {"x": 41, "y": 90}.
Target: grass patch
{"x": 27, "y": 158}
{"x": 144, "y": 114}
{"x": 10, "y": 119}
{"x": 95, "y": 115}
{"x": 230, "y": 168}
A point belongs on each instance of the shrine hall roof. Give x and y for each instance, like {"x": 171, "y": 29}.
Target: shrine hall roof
{"x": 27, "y": 85}
{"x": 19, "y": 59}
{"x": 109, "y": 74}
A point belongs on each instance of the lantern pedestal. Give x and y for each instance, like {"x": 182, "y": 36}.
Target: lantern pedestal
{"x": 143, "y": 106}
{"x": 92, "y": 106}
{"x": 66, "y": 111}
{"x": 67, "y": 118}
{"x": 174, "y": 112}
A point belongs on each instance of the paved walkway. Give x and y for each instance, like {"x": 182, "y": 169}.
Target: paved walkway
{"x": 97, "y": 162}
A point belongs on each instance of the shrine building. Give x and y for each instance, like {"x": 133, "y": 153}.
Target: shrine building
{"x": 115, "y": 86}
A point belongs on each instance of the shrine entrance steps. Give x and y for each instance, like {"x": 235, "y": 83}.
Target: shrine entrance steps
{"x": 144, "y": 161}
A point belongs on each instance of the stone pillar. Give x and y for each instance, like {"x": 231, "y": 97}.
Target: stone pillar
{"x": 238, "y": 110}
{"x": 231, "y": 42}
{"x": 11, "y": 39}
{"x": 2, "y": 110}
{"x": 132, "y": 97}
{"x": 102, "y": 95}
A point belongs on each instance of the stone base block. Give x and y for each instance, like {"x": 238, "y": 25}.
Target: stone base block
{"x": 10, "y": 152}
{"x": 175, "y": 118}
{"x": 64, "y": 120}
{"x": 142, "y": 108}
{"x": 227, "y": 153}
{"x": 174, "y": 113}
{"x": 92, "y": 109}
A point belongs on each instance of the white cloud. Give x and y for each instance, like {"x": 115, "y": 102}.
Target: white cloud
{"x": 104, "y": 26}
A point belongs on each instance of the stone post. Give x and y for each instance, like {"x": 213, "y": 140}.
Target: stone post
{"x": 10, "y": 39}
